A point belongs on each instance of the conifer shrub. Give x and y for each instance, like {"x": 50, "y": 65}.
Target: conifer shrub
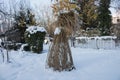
{"x": 34, "y": 37}
{"x": 26, "y": 48}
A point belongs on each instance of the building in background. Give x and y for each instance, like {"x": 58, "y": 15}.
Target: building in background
{"x": 115, "y": 29}
{"x": 116, "y": 18}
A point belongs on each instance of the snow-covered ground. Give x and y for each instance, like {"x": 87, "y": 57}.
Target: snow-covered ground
{"x": 91, "y": 64}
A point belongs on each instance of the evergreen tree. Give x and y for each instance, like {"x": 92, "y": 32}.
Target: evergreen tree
{"x": 87, "y": 13}
{"x": 20, "y": 23}
{"x": 104, "y": 17}
{"x": 30, "y": 18}
{"x": 35, "y": 40}
{"x": 23, "y": 18}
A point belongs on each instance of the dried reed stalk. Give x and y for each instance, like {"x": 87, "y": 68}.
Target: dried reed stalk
{"x": 59, "y": 56}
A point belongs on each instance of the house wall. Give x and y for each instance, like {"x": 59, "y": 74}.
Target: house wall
{"x": 116, "y": 20}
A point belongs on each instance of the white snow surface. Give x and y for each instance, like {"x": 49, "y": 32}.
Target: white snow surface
{"x": 34, "y": 29}
{"x": 57, "y": 31}
{"x": 91, "y": 64}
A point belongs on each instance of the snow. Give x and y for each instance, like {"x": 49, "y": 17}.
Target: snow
{"x": 45, "y": 41}
{"x": 34, "y": 29}
{"x": 22, "y": 47}
{"x": 57, "y": 31}
{"x": 90, "y": 64}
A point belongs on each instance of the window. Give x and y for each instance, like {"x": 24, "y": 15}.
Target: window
{"x": 118, "y": 20}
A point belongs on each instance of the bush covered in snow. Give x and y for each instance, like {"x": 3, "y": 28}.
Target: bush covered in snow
{"x": 34, "y": 37}
{"x": 25, "y": 47}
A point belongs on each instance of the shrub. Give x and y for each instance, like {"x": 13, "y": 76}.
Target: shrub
{"x": 34, "y": 37}
{"x": 25, "y": 47}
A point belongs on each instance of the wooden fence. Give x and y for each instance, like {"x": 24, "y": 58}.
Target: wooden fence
{"x": 104, "y": 42}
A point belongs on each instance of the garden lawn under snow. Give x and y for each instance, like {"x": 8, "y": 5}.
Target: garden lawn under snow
{"x": 91, "y": 64}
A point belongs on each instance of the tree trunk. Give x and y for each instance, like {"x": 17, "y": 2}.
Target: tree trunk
{"x": 2, "y": 53}
{"x": 59, "y": 56}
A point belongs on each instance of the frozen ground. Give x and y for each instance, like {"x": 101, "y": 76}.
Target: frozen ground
{"x": 91, "y": 64}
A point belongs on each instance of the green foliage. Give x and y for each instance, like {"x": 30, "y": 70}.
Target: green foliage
{"x": 35, "y": 41}
{"x": 30, "y": 20}
{"x": 23, "y": 18}
{"x": 89, "y": 32}
{"x": 104, "y": 17}
{"x": 20, "y": 18}
{"x": 93, "y": 32}
{"x": 26, "y": 48}
{"x": 87, "y": 13}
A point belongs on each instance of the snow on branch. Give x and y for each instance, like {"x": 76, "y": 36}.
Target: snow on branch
{"x": 34, "y": 29}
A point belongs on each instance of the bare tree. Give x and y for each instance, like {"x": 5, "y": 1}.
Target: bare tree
{"x": 1, "y": 52}
{"x": 43, "y": 15}
{"x": 7, "y": 23}
{"x": 5, "y": 14}
{"x": 117, "y": 3}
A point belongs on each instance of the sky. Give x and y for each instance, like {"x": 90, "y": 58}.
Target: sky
{"x": 113, "y": 11}
{"x": 34, "y": 3}
{"x": 41, "y": 4}
{"x": 48, "y": 3}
